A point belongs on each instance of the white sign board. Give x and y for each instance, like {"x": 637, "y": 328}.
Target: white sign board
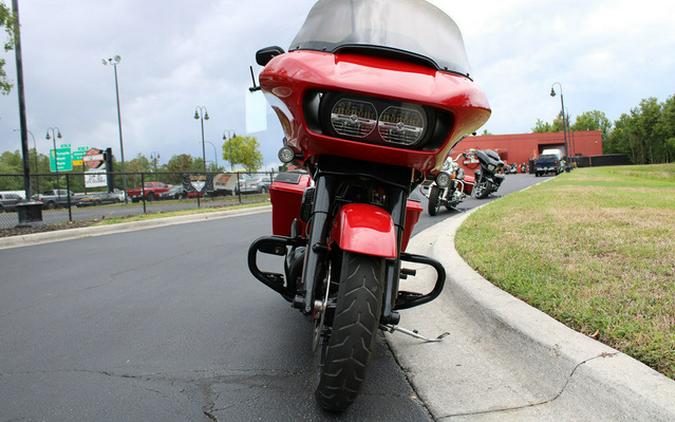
{"x": 95, "y": 179}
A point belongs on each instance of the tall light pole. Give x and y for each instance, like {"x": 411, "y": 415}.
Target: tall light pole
{"x": 53, "y": 133}
{"x": 564, "y": 116}
{"x": 114, "y": 61}
{"x": 227, "y": 135}
{"x": 215, "y": 153}
{"x": 202, "y": 114}
{"x": 22, "y": 101}
{"x": 35, "y": 159}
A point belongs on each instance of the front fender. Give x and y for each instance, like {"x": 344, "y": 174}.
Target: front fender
{"x": 365, "y": 229}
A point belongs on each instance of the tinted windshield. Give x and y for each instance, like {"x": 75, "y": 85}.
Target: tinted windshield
{"x": 412, "y": 27}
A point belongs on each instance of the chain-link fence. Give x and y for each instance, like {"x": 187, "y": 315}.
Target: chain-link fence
{"x": 70, "y": 196}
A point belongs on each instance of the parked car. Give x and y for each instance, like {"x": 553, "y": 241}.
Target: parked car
{"x": 151, "y": 191}
{"x": 548, "y": 163}
{"x": 251, "y": 184}
{"x": 56, "y": 198}
{"x": 8, "y": 201}
{"x": 98, "y": 198}
{"x": 175, "y": 192}
{"x": 264, "y": 183}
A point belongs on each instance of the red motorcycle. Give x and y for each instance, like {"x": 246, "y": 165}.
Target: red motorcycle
{"x": 371, "y": 96}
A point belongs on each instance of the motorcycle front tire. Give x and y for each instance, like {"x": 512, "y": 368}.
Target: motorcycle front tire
{"x": 483, "y": 191}
{"x": 434, "y": 201}
{"x": 354, "y": 328}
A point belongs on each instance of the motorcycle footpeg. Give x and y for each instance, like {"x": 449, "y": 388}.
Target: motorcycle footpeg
{"x": 413, "y": 333}
{"x": 408, "y": 271}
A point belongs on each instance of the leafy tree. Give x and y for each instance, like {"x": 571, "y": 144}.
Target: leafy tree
{"x": 8, "y": 22}
{"x": 666, "y": 128}
{"x": 184, "y": 163}
{"x": 541, "y": 127}
{"x": 544, "y": 127}
{"x": 645, "y": 133}
{"x": 139, "y": 164}
{"x": 243, "y": 150}
{"x": 485, "y": 133}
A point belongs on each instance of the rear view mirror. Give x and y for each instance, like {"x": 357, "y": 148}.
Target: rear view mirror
{"x": 263, "y": 56}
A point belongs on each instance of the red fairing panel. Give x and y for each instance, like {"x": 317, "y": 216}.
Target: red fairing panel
{"x": 412, "y": 216}
{"x": 287, "y": 78}
{"x": 365, "y": 229}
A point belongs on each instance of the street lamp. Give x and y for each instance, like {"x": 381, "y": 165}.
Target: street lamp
{"x": 154, "y": 157}
{"x": 35, "y": 159}
{"x": 564, "y": 116}
{"x": 114, "y": 61}
{"x": 202, "y": 114}
{"x": 215, "y": 153}
{"x": 53, "y": 133}
{"x": 227, "y": 135}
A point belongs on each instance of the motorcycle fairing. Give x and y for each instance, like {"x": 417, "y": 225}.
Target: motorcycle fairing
{"x": 365, "y": 229}
{"x": 289, "y": 77}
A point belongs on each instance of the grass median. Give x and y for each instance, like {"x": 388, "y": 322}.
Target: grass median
{"x": 595, "y": 249}
{"x": 165, "y": 214}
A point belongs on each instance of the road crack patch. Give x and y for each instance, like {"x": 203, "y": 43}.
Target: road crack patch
{"x": 535, "y": 404}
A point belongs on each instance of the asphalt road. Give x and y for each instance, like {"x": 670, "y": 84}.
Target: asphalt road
{"x": 167, "y": 324}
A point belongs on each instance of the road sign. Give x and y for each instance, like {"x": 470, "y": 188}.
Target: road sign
{"x": 61, "y": 159}
{"x": 93, "y": 158}
{"x": 95, "y": 178}
{"x": 79, "y": 153}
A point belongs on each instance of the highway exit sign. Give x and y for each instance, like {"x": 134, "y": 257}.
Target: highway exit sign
{"x": 61, "y": 159}
{"x": 78, "y": 154}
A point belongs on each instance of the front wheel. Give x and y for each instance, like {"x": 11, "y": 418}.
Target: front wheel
{"x": 434, "y": 201}
{"x": 355, "y": 323}
{"x": 482, "y": 190}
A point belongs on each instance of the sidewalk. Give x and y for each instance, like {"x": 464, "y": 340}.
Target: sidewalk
{"x": 505, "y": 360}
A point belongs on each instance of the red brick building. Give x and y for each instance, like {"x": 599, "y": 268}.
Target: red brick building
{"x": 523, "y": 147}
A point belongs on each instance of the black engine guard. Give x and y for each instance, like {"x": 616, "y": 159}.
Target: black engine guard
{"x": 278, "y": 245}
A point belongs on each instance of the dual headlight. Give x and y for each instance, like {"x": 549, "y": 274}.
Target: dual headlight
{"x": 403, "y": 124}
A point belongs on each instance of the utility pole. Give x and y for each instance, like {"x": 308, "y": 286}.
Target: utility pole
{"x": 22, "y": 103}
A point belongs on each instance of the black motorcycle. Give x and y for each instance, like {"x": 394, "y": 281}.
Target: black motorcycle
{"x": 490, "y": 176}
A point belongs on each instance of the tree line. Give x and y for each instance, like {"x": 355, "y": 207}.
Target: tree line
{"x": 646, "y": 133}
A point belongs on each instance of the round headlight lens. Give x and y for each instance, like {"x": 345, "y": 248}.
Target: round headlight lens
{"x": 443, "y": 180}
{"x": 402, "y": 125}
{"x": 353, "y": 118}
{"x": 286, "y": 154}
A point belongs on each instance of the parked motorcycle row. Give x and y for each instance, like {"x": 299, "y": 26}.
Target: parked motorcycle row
{"x": 452, "y": 185}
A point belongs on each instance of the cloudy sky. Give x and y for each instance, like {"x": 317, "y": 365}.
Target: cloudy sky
{"x": 178, "y": 54}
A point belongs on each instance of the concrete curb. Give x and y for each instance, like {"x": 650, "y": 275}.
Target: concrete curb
{"x": 79, "y": 233}
{"x": 571, "y": 376}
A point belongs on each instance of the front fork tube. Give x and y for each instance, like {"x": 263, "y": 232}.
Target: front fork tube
{"x": 315, "y": 248}
{"x": 393, "y": 266}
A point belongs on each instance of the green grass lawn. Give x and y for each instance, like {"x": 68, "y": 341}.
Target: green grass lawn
{"x": 595, "y": 249}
